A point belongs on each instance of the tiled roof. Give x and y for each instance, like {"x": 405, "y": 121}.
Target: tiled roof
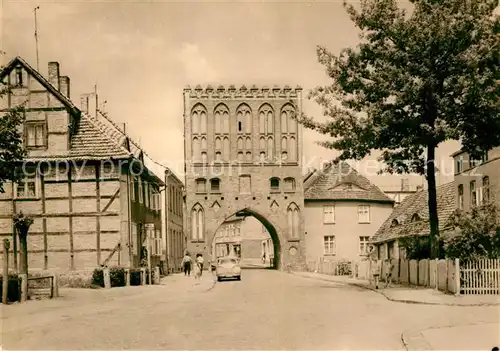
{"x": 329, "y": 184}
{"x": 418, "y": 204}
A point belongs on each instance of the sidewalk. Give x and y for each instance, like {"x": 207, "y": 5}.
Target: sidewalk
{"x": 86, "y": 298}
{"x": 483, "y": 336}
{"x": 400, "y": 293}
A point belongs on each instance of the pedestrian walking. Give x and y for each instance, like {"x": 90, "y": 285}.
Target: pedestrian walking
{"x": 200, "y": 261}
{"x": 186, "y": 264}
{"x": 376, "y": 268}
{"x": 389, "y": 266}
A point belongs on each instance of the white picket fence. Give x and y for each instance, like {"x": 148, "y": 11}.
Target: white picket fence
{"x": 480, "y": 277}
{"x": 449, "y": 275}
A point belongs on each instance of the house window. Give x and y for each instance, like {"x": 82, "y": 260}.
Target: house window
{"x": 329, "y": 245}
{"x": 201, "y": 185}
{"x": 460, "y": 164}
{"x": 364, "y": 214}
{"x": 328, "y": 214}
{"x": 19, "y": 76}
{"x": 215, "y": 185}
{"x": 486, "y": 189}
{"x": 363, "y": 245}
{"x": 146, "y": 194}
{"x": 275, "y": 184}
{"x": 27, "y": 188}
{"x": 473, "y": 193}
{"x": 473, "y": 162}
{"x": 139, "y": 190}
{"x": 461, "y": 196}
{"x": 35, "y": 134}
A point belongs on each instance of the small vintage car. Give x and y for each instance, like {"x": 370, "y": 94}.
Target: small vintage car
{"x": 228, "y": 268}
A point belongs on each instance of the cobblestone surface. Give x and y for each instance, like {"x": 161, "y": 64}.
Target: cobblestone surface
{"x": 267, "y": 310}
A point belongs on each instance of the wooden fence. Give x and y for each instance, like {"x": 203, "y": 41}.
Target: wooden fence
{"x": 480, "y": 277}
{"x": 450, "y": 275}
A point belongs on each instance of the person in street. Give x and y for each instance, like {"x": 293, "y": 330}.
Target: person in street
{"x": 200, "y": 261}
{"x": 186, "y": 264}
{"x": 389, "y": 266}
{"x": 376, "y": 268}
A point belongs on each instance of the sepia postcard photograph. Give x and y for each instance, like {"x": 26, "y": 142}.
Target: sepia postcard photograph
{"x": 250, "y": 175}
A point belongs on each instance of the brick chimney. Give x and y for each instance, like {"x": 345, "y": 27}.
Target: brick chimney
{"x": 64, "y": 86}
{"x": 54, "y": 74}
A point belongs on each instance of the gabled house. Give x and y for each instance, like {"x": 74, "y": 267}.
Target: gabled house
{"x": 85, "y": 183}
{"x": 343, "y": 210}
{"x": 411, "y": 218}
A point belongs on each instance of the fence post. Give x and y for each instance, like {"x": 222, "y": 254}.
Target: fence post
{"x": 457, "y": 276}
{"x": 5, "y": 279}
{"x": 143, "y": 276}
{"x": 24, "y": 287}
{"x": 107, "y": 278}
{"x": 55, "y": 285}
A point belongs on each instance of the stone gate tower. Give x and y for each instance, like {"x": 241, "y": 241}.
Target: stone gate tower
{"x": 243, "y": 151}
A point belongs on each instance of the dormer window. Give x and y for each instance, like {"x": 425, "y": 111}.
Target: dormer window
{"x": 415, "y": 218}
{"x": 394, "y": 223}
{"x": 348, "y": 186}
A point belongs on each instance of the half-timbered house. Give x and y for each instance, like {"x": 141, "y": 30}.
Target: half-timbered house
{"x": 85, "y": 182}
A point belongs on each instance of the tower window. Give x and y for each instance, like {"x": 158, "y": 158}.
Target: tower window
{"x": 240, "y": 126}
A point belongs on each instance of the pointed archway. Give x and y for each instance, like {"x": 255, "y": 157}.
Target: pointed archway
{"x": 271, "y": 229}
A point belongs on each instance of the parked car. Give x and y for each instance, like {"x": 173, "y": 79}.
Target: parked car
{"x": 228, "y": 267}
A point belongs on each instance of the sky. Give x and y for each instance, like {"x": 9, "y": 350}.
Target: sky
{"x": 142, "y": 54}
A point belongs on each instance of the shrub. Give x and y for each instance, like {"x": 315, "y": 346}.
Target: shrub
{"x": 98, "y": 277}
{"x": 117, "y": 276}
{"x": 13, "y": 289}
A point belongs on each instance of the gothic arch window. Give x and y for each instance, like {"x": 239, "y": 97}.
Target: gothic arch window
{"x": 289, "y": 148}
{"x": 204, "y": 149}
{"x": 244, "y": 129}
{"x": 225, "y": 147}
{"x": 293, "y": 216}
{"x": 266, "y": 127}
{"x": 221, "y": 131}
{"x": 199, "y": 131}
{"x": 289, "y": 184}
{"x": 270, "y": 148}
{"x": 197, "y": 223}
{"x": 284, "y": 149}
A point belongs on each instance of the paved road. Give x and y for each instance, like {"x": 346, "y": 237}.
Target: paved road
{"x": 267, "y": 310}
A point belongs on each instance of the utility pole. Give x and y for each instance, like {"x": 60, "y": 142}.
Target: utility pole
{"x": 36, "y": 40}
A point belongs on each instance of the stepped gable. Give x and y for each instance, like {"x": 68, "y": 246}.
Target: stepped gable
{"x": 242, "y": 91}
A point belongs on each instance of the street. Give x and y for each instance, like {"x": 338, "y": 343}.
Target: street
{"x": 267, "y": 310}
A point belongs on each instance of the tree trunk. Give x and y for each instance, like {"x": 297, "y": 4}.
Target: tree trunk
{"x": 433, "y": 215}
{"x": 24, "y": 255}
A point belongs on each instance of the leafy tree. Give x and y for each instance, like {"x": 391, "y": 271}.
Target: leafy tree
{"x": 414, "y": 81}
{"x": 480, "y": 234}
{"x": 418, "y": 247}
{"x": 11, "y": 144}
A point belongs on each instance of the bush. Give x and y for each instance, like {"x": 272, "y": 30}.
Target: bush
{"x": 135, "y": 277}
{"x": 116, "y": 275}
{"x": 14, "y": 288}
{"x": 419, "y": 247}
{"x": 98, "y": 277}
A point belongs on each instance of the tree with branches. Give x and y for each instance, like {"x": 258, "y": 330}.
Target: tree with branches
{"x": 416, "y": 79}
{"x": 12, "y": 150}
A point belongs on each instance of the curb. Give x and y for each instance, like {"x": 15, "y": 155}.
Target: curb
{"x": 381, "y": 292}
{"x": 415, "y": 340}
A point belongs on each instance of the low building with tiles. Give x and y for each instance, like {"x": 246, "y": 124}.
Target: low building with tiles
{"x": 86, "y": 185}
{"x": 343, "y": 211}
{"x": 411, "y": 218}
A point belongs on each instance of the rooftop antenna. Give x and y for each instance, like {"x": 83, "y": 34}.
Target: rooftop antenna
{"x": 36, "y": 40}
{"x": 96, "y": 100}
